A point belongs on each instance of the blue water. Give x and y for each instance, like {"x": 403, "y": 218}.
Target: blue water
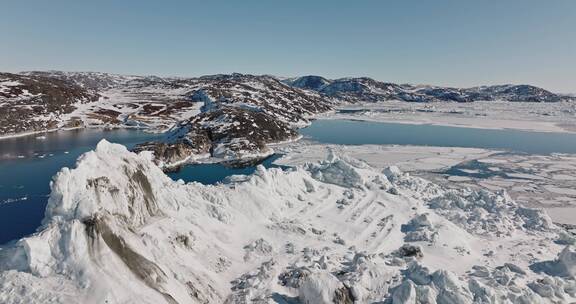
{"x": 349, "y": 132}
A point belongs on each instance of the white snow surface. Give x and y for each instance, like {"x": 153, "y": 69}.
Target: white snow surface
{"x": 118, "y": 230}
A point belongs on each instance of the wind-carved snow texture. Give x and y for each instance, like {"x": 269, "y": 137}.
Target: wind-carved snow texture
{"x": 118, "y": 230}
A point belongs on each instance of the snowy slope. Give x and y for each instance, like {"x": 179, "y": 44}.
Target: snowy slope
{"x": 117, "y": 230}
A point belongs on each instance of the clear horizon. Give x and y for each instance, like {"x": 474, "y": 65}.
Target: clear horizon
{"x": 445, "y": 43}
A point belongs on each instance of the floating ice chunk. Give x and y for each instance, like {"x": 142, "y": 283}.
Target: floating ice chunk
{"x": 536, "y": 219}
{"x": 336, "y": 171}
{"x": 405, "y": 293}
{"x": 392, "y": 172}
{"x": 563, "y": 266}
{"x": 564, "y": 238}
{"x": 567, "y": 261}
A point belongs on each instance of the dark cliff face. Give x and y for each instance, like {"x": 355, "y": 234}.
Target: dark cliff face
{"x": 33, "y": 103}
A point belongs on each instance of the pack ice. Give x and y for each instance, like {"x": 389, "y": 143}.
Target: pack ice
{"x": 118, "y": 230}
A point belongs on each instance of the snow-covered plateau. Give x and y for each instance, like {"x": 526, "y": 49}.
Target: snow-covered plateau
{"x": 118, "y": 230}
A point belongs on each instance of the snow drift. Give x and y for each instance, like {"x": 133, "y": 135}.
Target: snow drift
{"x": 118, "y": 230}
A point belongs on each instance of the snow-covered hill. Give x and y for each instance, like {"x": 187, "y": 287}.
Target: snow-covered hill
{"x": 230, "y": 117}
{"x": 230, "y": 134}
{"x": 367, "y": 89}
{"x": 91, "y": 80}
{"x": 261, "y": 93}
{"x": 117, "y": 230}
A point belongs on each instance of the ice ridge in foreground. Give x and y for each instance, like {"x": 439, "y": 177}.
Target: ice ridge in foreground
{"x": 118, "y": 230}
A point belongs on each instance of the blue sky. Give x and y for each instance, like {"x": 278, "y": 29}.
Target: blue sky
{"x": 457, "y": 43}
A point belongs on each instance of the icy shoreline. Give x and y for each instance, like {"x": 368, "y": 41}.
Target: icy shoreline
{"x": 540, "y": 117}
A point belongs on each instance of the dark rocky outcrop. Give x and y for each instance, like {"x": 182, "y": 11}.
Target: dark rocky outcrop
{"x": 230, "y": 133}
{"x": 173, "y": 153}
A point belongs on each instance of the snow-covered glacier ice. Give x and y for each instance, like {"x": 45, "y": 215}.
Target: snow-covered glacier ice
{"x": 118, "y": 230}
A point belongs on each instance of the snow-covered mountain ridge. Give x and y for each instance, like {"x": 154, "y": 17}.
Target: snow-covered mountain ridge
{"x": 118, "y": 230}
{"x": 366, "y": 89}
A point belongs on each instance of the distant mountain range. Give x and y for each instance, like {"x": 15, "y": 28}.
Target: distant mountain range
{"x": 367, "y": 89}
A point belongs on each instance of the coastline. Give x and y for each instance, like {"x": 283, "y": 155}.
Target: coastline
{"x": 32, "y": 133}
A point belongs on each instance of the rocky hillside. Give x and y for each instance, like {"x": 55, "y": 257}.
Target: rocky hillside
{"x": 31, "y": 103}
{"x": 86, "y": 99}
{"x": 91, "y": 80}
{"x": 260, "y": 93}
{"x": 240, "y": 115}
{"x": 370, "y": 90}
{"x": 231, "y": 134}
{"x": 264, "y": 93}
